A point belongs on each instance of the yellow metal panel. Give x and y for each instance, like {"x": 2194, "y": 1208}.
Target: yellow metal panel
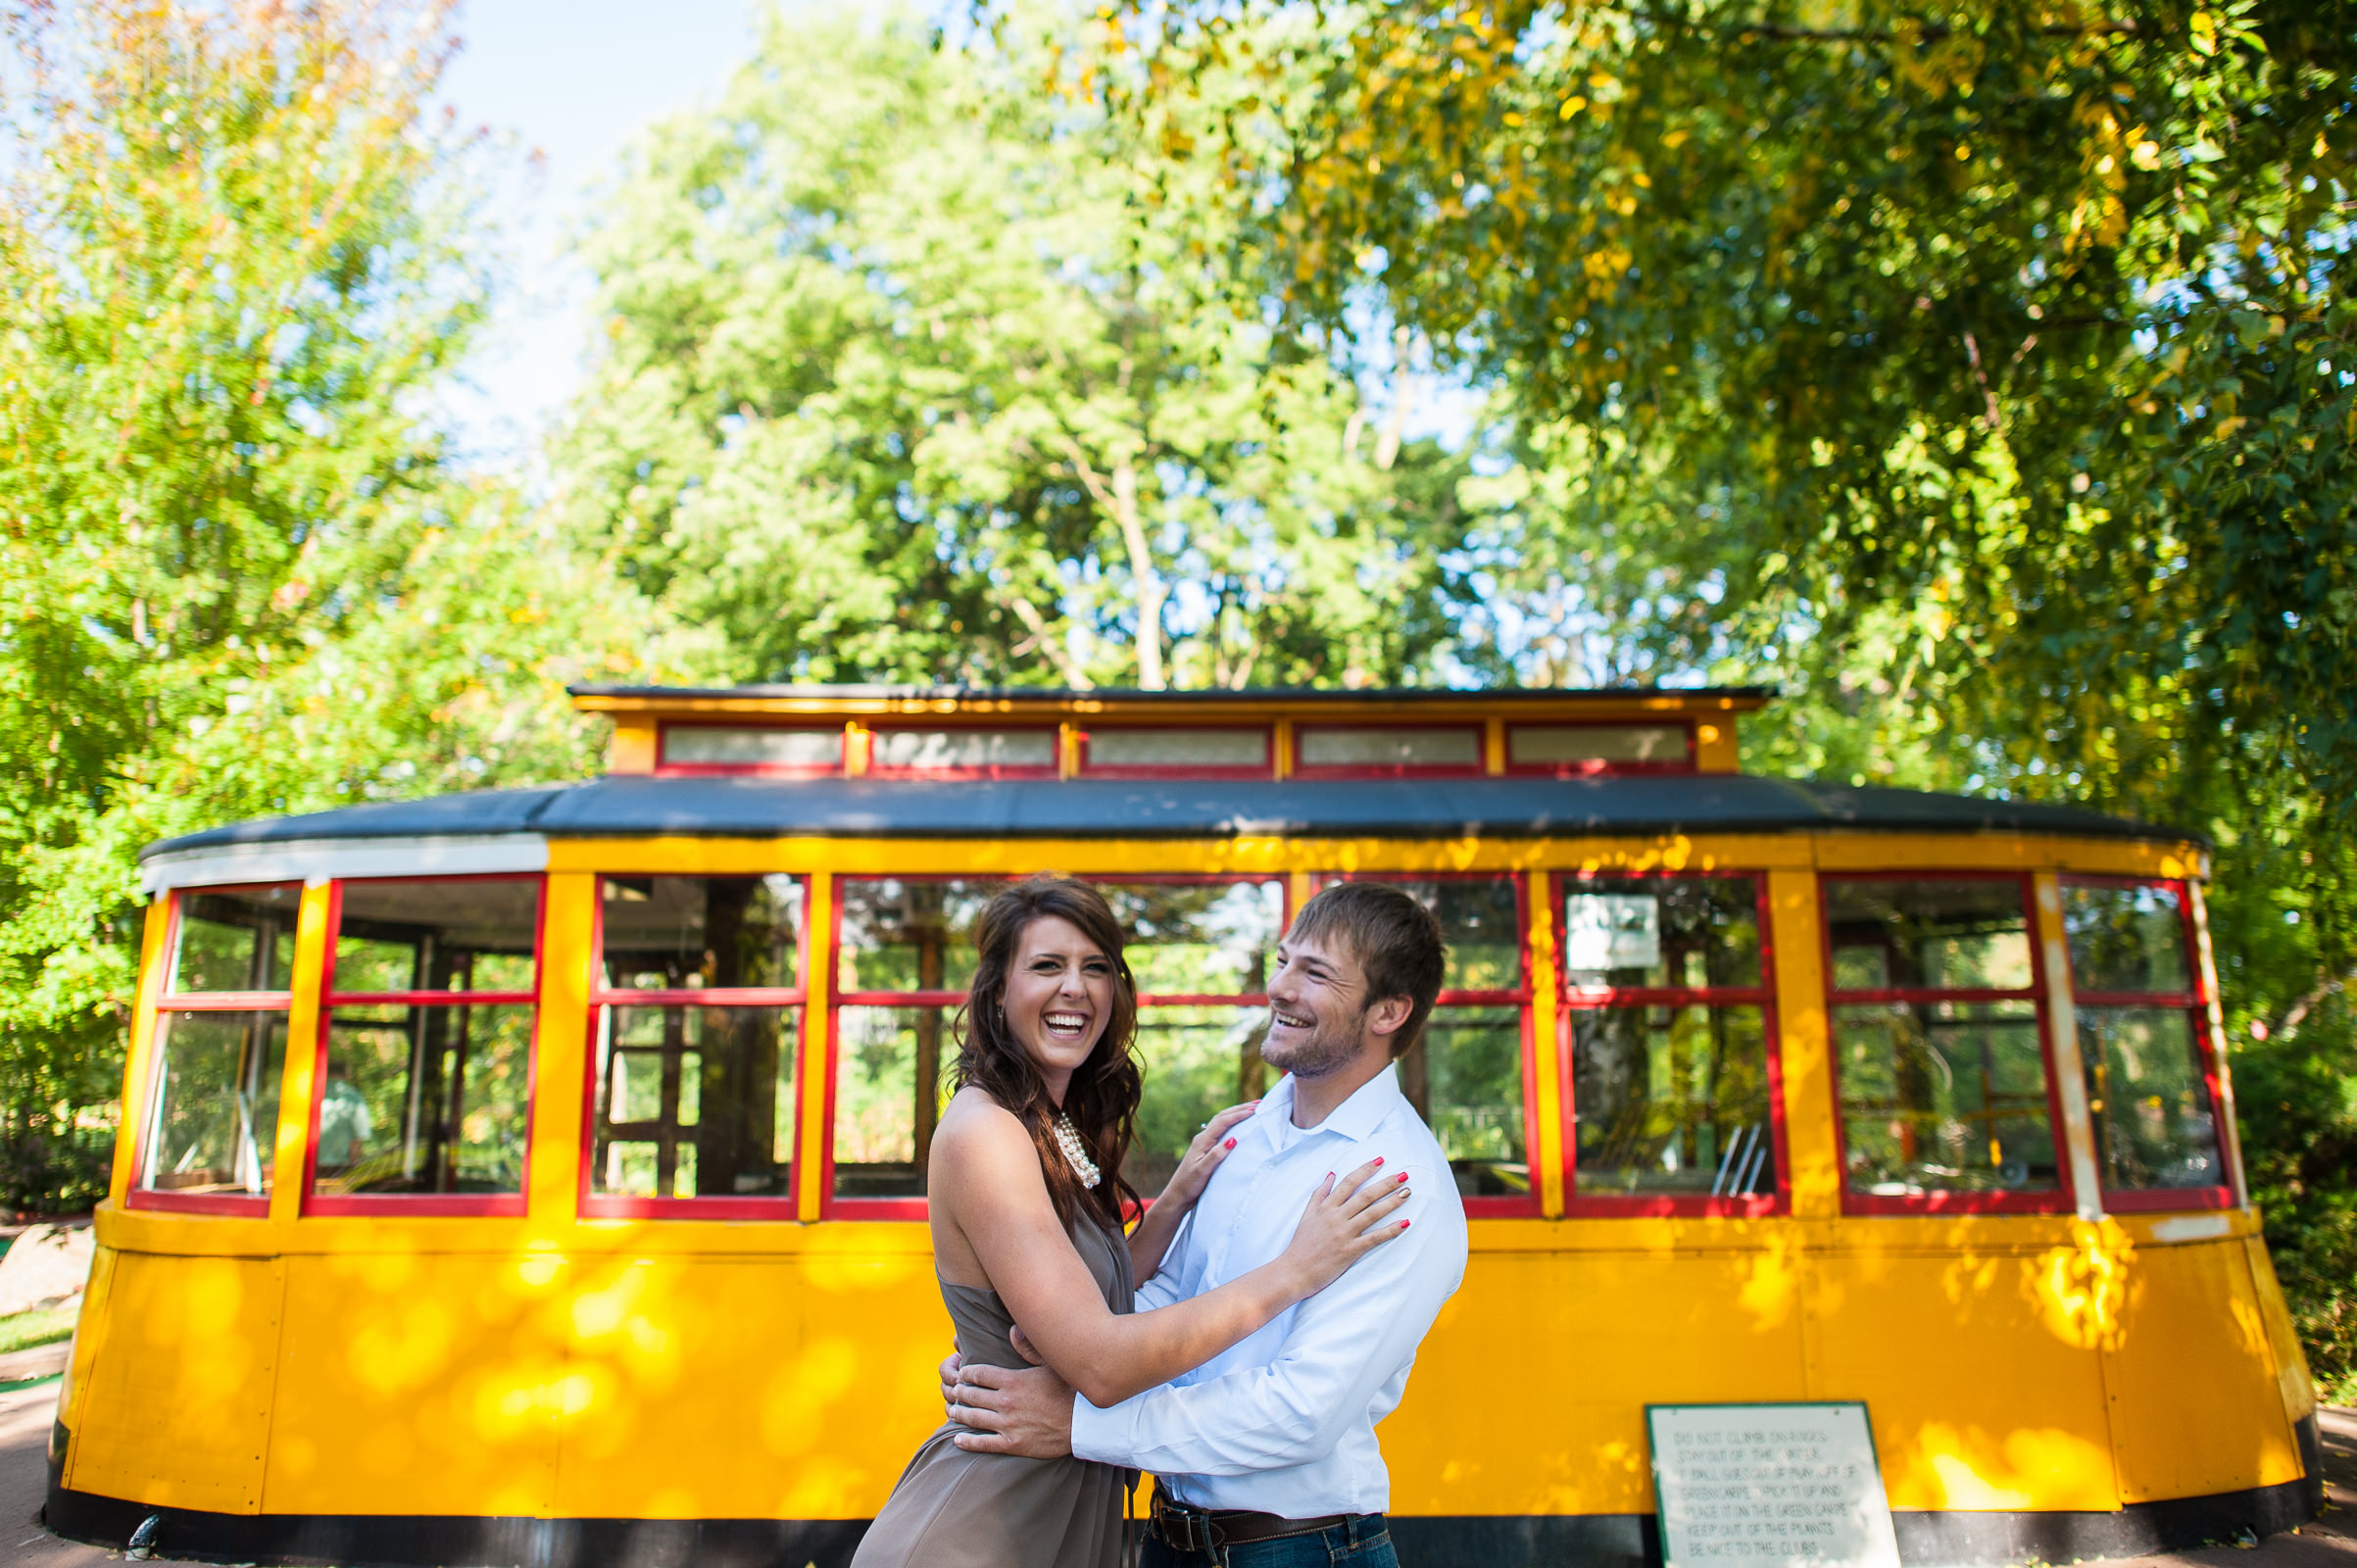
{"x": 1980, "y": 1373}
{"x": 91, "y": 1326}
{"x": 2017, "y": 851}
{"x": 295, "y": 1084}
{"x": 1714, "y": 747}
{"x": 2197, "y": 1403}
{"x": 1546, "y": 1046}
{"x": 561, "y": 1044}
{"x": 810, "y": 1076}
{"x": 787, "y": 1387}
{"x": 137, "y": 1069}
{"x": 635, "y": 745}
{"x": 1528, "y": 1394}
{"x": 2292, "y": 1379}
{"x": 2062, "y": 1051}
{"x": 419, "y": 1385}
{"x": 178, "y": 1412}
{"x": 1494, "y": 746}
{"x": 1812, "y": 1150}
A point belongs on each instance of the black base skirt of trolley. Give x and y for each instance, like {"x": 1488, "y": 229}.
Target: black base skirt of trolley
{"x": 1472, "y": 1540}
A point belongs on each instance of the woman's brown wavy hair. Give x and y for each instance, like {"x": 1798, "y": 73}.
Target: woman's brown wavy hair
{"x": 1102, "y": 1097}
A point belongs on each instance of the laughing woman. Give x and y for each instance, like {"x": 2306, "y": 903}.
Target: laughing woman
{"x": 1027, "y": 1208}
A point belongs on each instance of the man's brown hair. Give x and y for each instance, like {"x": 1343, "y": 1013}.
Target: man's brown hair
{"x": 1396, "y": 940}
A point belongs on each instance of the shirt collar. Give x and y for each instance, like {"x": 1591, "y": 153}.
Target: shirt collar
{"x": 1355, "y": 1118}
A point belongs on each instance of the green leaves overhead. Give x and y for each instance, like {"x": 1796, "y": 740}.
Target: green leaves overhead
{"x": 907, "y": 375}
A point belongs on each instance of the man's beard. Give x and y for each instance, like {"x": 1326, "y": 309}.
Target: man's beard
{"x": 1330, "y": 1048}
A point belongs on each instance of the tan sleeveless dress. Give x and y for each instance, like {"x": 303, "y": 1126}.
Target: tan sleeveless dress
{"x": 955, "y": 1509}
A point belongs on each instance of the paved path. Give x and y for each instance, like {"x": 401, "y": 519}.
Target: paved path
{"x": 25, "y": 1418}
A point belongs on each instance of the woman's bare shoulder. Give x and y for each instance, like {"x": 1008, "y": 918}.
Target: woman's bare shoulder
{"x": 973, "y": 1125}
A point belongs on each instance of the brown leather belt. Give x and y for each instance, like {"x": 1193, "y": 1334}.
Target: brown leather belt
{"x": 1185, "y": 1528}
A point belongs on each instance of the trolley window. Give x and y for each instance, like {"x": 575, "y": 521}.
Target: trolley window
{"x": 694, "y": 1024}
{"x": 964, "y": 752}
{"x": 1470, "y": 1076}
{"x": 1340, "y": 751}
{"x": 1192, "y": 751}
{"x": 211, "y": 1134}
{"x": 423, "y": 1095}
{"x": 1568, "y": 749}
{"x": 734, "y": 748}
{"x": 905, "y": 956}
{"x": 1939, "y": 1047}
{"x": 2151, "y": 1089}
{"x": 1201, "y": 949}
{"x": 1669, "y": 1015}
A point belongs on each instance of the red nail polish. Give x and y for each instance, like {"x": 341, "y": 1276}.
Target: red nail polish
{"x": 1231, "y": 1143}
{"x": 1378, "y": 1159}
{"x": 1405, "y": 1223}
{"x": 1402, "y": 1176}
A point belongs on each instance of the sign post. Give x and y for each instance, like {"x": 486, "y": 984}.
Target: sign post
{"x": 1769, "y": 1486}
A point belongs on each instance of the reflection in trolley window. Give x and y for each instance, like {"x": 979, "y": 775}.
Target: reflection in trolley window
{"x": 425, "y": 1092}
{"x": 219, "y": 1047}
{"x": 1944, "y": 1091}
{"x": 2143, "y": 1020}
{"x": 1668, "y": 1013}
{"x": 697, "y": 1018}
{"x": 1467, "y": 1077}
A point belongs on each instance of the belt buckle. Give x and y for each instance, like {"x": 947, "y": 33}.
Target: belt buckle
{"x": 1184, "y": 1529}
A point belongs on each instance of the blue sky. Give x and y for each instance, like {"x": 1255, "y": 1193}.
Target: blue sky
{"x": 571, "y": 79}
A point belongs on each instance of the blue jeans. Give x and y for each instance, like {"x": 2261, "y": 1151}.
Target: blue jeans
{"x": 1362, "y": 1542}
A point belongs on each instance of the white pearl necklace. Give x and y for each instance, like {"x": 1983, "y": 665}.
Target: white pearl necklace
{"x": 1076, "y": 1152}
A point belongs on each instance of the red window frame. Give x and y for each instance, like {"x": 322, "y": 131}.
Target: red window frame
{"x": 1307, "y": 769}
{"x": 422, "y": 1204}
{"x": 618, "y": 1206}
{"x": 1591, "y": 769}
{"x": 1052, "y": 769}
{"x": 171, "y": 1002}
{"x": 2063, "y": 1199}
{"x": 2194, "y": 1000}
{"x": 1264, "y": 768}
{"x": 1573, "y": 998}
{"x": 915, "y": 1209}
{"x": 665, "y": 767}
{"x": 1521, "y": 997}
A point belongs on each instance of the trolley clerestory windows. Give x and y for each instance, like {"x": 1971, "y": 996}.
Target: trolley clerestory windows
{"x": 1667, "y": 1016}
{"x": 210, "y": 1140}
{"x": 1937, "y": 1044}
{"x": 695, "y": 1028}
{"x": 423, "y": 1090}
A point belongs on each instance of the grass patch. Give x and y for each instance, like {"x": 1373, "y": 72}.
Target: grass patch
{"x": 22, "y": 1331}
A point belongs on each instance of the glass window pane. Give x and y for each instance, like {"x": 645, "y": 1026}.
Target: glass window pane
{"x": 1571, "y": 744}
{"x": 1959, "y": 935}
{"x": 236, "y": 940}
{"x": 957, "y": 750}
{"x": 667, "y": 933}
{"x": 215, "y": 1126}
{"x": 711, "y": 746}
{"x": 910, "y": 936}
{"x": 1945, "y": 1097}
{"x": 1200, "y": 939}
{"x": 883, "y": 1122}
{"x": 2151, "y": 1104}
{"x": 2126, "y": 939}
{"x": 1661, "y": 931}
{"x": 425, "y": 1098}
{"x": 1196, "y": 1061}
{"x": 443, "y": 934}
{"x": 1671, "y": 1100}
{"x": 1324, "y": 746}
{"x": 695, "y": 1102}
{"x": 1480, "y": 921}
{"x": 1465, "y": 1080}
{"x": 1178, "y": 748}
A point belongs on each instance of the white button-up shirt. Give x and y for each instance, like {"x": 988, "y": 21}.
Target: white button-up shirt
{"x": 1284, "y": 1422}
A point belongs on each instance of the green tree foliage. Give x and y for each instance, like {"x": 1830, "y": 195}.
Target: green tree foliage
{"x": 905, "y": 379}
{"x": 1980, "y": 371}
{"x": 236, "y": 572}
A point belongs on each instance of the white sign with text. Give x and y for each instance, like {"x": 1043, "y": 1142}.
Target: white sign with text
{"x": 1769, "y": 1486}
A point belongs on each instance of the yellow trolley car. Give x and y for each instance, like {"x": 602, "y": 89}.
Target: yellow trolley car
{"x": 535, "y": 1176}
